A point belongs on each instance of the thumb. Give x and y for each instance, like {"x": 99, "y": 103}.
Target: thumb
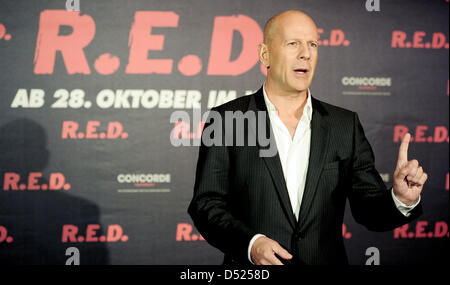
{"x": 282, "y": 252}
{"x": 403, "y": 151}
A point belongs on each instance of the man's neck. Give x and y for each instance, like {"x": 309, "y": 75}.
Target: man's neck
{"x": 287, "y": 103}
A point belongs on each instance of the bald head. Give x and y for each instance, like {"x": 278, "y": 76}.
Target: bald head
{"x": 274, "y": 25}
{"x": 289, "y": 52}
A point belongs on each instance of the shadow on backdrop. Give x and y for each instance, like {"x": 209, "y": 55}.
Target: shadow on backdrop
{"x": 35, "y": 218}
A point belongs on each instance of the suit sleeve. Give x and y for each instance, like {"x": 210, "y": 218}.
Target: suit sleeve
{"x": 371, "y": 202}
{"x": 210, "y": 208}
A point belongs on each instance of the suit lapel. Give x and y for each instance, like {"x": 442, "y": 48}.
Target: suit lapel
{"x": 318, "y": 149}
{"x": 273, "y": 163}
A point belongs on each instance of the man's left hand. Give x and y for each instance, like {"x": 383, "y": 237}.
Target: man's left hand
{"x": 409, "y": 176}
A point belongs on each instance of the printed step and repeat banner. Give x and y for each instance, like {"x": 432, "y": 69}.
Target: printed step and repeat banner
{"x": 92, "y": 168}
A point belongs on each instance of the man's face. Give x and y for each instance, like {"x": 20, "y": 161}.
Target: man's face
{"x": 292, "y": 53}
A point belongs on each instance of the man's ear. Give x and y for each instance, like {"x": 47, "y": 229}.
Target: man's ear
{"x": 264, "y": 54}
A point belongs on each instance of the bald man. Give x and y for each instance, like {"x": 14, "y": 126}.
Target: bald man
{"x": 289, "y": 208}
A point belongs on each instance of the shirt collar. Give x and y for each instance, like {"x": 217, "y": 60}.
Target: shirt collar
{"x": 308, "y": 107}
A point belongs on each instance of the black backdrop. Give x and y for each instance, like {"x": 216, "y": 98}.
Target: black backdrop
{"x": 86, "y": 158}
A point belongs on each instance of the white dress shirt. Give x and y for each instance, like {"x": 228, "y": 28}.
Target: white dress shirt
{"x": 293, "y": 152}
{"x": 294, "y": 157}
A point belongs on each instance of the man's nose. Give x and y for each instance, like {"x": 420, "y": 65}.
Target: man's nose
{"x": 304, "y": 52}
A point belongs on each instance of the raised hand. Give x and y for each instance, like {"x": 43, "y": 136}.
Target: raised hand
{"x": 409, "y": 176}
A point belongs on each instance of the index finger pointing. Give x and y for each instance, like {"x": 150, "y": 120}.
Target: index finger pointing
{"x": 403, "y": 151}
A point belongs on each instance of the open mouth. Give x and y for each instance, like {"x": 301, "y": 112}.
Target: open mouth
{"x": 301, "y": 70}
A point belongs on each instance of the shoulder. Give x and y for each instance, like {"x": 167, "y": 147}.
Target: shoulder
{"x": 332, "y": 112}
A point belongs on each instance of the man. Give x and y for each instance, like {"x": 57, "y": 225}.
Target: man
{"x": 289, "y": 208}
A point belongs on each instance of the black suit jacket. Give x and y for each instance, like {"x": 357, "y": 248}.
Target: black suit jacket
{"x": 238, "y": 194}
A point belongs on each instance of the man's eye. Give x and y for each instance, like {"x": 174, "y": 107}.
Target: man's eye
{"x": 292, "y": 43}
{"x": 314, "y": 45}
